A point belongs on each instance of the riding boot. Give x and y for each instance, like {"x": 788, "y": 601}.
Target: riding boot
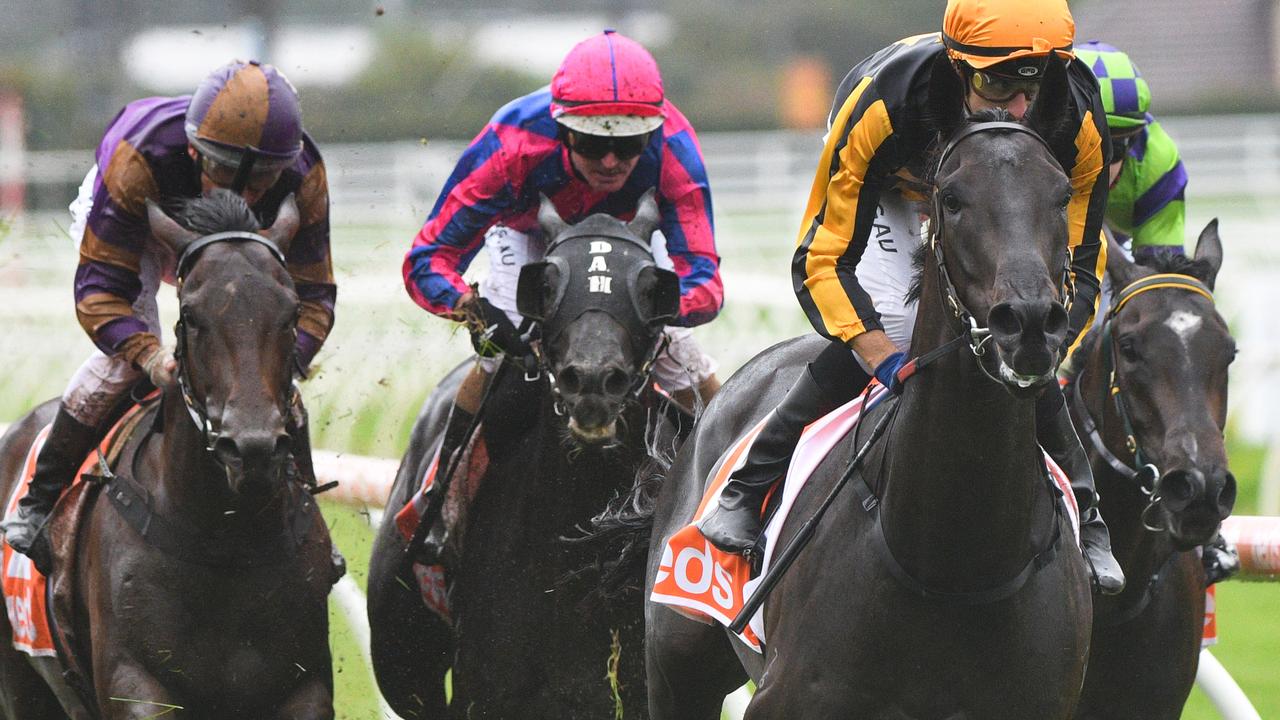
{"x": 1057, "y": 435}
{"x": 64, "y": 451}
{"x": 434, "y": 546}
{"x": 1220, "y": 559}
{"x": 829, "y": 381}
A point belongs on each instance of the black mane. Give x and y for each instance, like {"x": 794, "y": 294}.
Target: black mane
{"x": 220, "y": 211}
{"x": 1169, "y": 260}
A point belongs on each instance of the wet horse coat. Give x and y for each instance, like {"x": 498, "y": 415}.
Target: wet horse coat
{"x": 956, "y": 601}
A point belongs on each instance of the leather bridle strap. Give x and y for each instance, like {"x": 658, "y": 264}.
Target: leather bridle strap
{"x": 188, "y": 256}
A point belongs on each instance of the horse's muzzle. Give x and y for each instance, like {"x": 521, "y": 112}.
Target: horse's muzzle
{"x": 1027, "y": 335}
{"x": 1195, "y": 503}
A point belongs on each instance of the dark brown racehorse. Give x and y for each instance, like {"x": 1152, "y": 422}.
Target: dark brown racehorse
{"x": 198, "y": 580}
{"x": 1151, "y": 405}
{"x": 530, "y": 638}
{"x": 960, "y": 594}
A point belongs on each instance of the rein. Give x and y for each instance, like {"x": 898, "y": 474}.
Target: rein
{"x": 1146, "y": 475}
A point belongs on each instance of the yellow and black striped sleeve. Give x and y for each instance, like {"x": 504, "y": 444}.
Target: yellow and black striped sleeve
{"x": 1085, "y": 213}
{"x": 842, "y": 204}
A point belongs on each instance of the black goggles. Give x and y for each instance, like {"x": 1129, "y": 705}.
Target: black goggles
{"x": 1001, "y": 88}
{"x": 1120, "y": 145}
{"x": 595, "y": 147}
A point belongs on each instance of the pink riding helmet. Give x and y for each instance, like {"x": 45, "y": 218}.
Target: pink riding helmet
{"x": 608, "y": 85}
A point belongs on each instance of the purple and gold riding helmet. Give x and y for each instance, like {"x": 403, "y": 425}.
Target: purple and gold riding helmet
{"x": 246, "y": 112}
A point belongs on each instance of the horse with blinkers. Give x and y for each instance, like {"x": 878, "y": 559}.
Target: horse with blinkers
{"x": 529, "y": 636}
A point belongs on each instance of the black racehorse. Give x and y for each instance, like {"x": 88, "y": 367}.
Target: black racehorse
{"x": 526, "y": 641}
{"x": 958, "y": 592}
{"x": 198, "y": 581}
{"x": 1151, "y": 404}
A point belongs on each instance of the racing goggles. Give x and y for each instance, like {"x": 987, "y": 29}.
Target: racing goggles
{"x": 1002, "y": 88}
{"x": 595, "y": 147}
{"x": 1120, "y": 145}
{"x": 224, "y": 176}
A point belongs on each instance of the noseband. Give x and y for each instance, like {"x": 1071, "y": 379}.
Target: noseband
{"x": 977, "y": 337}
{"x": 1146, "y": 476}
{"x": 196, "y": 408}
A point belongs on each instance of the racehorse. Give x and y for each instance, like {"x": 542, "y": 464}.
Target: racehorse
{"x": 1153, "y": 430}
{"x": 953, "y": 589}
{"x": 525, "y": 641}
{"x": 197, "y": 575}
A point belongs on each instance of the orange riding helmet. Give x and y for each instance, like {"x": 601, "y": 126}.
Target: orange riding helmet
{"x": 983, "y": 33}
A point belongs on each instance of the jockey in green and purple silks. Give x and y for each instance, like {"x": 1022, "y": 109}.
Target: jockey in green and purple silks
{"x": 1148, "y": 179}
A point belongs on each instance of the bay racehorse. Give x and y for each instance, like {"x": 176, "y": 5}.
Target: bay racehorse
{"x": 955, "y": 590}
{"x": 528, "y": 640}
{"x": 196, "y": 575}
{"x": 1151, "y": 404}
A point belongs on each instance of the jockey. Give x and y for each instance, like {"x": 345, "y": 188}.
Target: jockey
{"x": 1148, "y": 179}
{"x": 1145, "y": 208}
{"x": 595, "y": 141}
{"x": 876, "y": 154}
{"x": 241, "y": 130}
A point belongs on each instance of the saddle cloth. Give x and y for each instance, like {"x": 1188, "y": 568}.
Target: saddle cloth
{"x": 26, "y": 597}
{"x": 706, "y": 584}
{"x": 432, "y": 580}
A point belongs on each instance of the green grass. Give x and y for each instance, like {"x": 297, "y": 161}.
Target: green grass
{"x": 385, "y": 355}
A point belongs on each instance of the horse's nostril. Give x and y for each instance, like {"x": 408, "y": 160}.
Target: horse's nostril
{"x": 1056, "y": 322}
{"x": 1227, "y": 495}
{"x": 1003, "y": 320}
{"x": 225, "y": 449}
{"x": 616, "y": 382}
{"x": 284, "y": 444}
{"x": 1179, "y": 487}
{"x": 570, "y": 381}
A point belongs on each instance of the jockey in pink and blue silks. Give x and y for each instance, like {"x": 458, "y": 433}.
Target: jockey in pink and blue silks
{"x": 595, "y": 141}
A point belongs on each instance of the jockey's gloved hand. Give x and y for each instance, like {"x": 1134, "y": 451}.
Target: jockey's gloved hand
{"x": 887, "y": 371}
{"x": 160, "y": 366}
{"x": 492, "y": 332}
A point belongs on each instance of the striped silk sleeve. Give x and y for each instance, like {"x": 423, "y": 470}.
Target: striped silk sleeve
{"x": 1159, "y": 210}
{"x": 311, "y": 265}
{"x": 838, "y": 217}
{"x": 685, "y": 203}
{"x": 1085, "y": 215}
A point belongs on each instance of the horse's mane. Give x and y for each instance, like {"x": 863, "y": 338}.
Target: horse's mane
{"x": 220, "y": 211}
{"x": 1170, "y": 260}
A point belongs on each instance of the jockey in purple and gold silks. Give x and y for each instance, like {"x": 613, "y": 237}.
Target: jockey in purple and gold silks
{"x": 871, "y": 176}
{"x": 595, "y": 141}
{"x": 241, "y": 130}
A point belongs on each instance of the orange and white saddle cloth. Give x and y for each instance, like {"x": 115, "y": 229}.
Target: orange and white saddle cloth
{"x": 26, "y": 597}
{"x": 709, "y": 585}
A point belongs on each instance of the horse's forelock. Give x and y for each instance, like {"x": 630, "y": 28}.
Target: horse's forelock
{"x": 221, "y": 211}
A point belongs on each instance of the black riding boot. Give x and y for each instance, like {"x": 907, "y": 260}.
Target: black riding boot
{"x": 831, "y": 380}
{"x": 63, "y": 452}
{"x": 1220, "y": 559}
{"x": 435, "y": 544}
{"x": 1057, "y": 435}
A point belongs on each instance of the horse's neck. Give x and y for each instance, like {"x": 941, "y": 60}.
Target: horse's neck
{"x": 963, "y": 492}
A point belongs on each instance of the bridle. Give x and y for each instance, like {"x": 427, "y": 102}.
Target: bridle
{"x": 977, "y": 337}
{"x": 196, "y": 408}
{"x": 543, "y": 365}
{"x": 1144, "y": 474}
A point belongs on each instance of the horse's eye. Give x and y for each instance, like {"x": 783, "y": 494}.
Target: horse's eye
{"x": 1065, "y": 201}
{"x": 1128, "y": 350}
{"x": 951, "y": 202}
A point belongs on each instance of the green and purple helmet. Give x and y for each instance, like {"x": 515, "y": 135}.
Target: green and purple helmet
{"x": 246, "y": 109}
{"x": 1125, "y": 94}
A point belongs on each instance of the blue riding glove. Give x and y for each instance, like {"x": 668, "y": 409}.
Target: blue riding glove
{"x": 887, "y": 371}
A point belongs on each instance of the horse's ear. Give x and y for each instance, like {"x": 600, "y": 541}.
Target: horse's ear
{"x": 946, "y": 97}
{"x": 167, "y": 230}
{"x": 647, "y": 216}
{"x": 285, "y": 227}
{"x": 1051, "y": 111}
{"x": 1209, "y": 250}
{"x": 1121, "y": 269}
{"x": 549, "y": 218}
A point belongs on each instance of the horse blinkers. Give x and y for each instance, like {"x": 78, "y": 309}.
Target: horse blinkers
{"x": 541, "y": 288}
